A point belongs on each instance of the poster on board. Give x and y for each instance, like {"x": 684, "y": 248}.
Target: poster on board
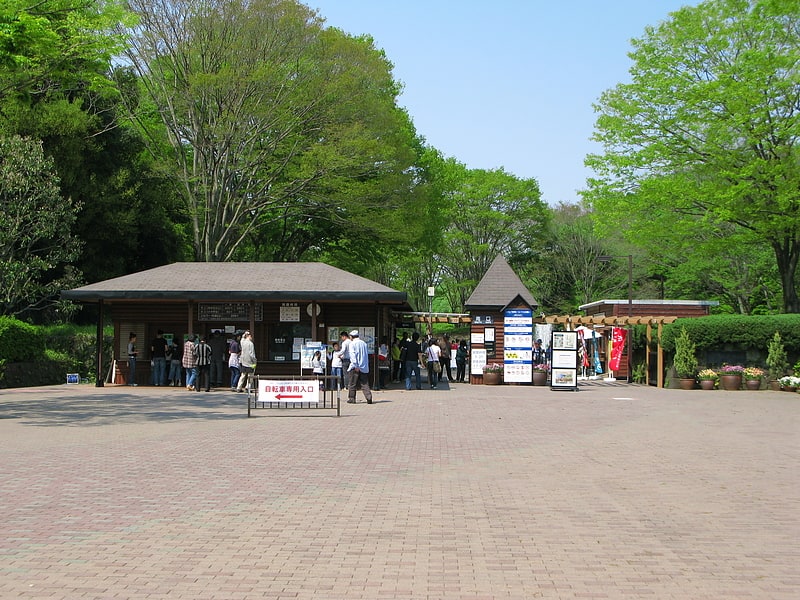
{"x": 564, "y": 360}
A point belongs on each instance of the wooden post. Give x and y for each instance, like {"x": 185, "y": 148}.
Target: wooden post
{"x": 99, "y": 347}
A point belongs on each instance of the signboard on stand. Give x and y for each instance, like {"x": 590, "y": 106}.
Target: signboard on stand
{"x": 564, "y": 360}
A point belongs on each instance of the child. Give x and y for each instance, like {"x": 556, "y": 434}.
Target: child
{"x": 318, "y": 367}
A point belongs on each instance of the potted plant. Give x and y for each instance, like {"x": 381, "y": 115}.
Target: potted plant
{"x": 493, "y": 374}
{"x": 776, "y": 361}
{"x": 540, "y": 373}
{"x": 730, "y": 377}
{"x": 789, "y": 383}
{"x": 708, "y": 379}
{"x": 685, "y": 361}
{"x": 752, "y": 377}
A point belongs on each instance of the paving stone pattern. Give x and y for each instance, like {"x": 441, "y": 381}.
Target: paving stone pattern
{"x": 466, "y": 493}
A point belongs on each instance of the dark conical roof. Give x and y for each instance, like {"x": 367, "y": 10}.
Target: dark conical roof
{"x": 498, "y": 288}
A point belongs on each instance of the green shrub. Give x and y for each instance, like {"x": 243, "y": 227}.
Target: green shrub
{"x": 738, "y": 331}
{"x": 33, "y": 355}
{"x": 685, "y": 359}
{"x": 19, "y": 341}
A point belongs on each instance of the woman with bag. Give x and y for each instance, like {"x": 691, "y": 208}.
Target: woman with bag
{"x": 433, "y": 353}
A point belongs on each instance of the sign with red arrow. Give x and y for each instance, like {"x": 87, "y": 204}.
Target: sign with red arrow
{"x": 289, "y": 391}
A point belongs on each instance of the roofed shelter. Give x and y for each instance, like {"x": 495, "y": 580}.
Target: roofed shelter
{"x": 499, "y": 290}
{"x": 283, "y": 304}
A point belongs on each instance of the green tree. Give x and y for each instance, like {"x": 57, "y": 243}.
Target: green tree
{"x": 49, "y": 46}
{"x": 36, "y": 242}
{"x": 489, "y": 212}
{"x": 274, "y": 124}
{"x": 706, "y": 134}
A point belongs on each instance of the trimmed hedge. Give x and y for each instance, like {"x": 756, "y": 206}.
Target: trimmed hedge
{"x": 741, "y": 332}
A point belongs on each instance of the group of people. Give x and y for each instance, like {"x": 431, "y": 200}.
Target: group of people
{"x": 434, "y": 356}
{"x": 349, "y": 358}
{"x": 201, "y": 361}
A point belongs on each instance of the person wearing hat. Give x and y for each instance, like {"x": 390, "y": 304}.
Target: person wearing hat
{"x": 358, "y": 370}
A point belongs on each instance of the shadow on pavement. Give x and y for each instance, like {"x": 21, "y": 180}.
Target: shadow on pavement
{"x": 103, "y": 406}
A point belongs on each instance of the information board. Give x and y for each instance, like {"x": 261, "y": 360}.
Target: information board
{"x": 564, "y": 361}
{"x": 518, "y": 345}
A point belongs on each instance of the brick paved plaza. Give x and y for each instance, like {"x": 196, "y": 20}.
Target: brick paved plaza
{"x": 472, "y": 492}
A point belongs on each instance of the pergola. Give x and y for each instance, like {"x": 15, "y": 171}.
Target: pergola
{"x": 570, "y": 322}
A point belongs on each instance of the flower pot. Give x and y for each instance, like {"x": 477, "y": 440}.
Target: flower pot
{"x": 707, "y": 384}
{"x": 539, "y": 378}
{"x": 687, "y": 383}
{"x": 492, "y": 378}
{"x": 775, "y": 385}
{"x": 753, "y": 384}
{"x": 730, "y": 382}
{"x": 789, "y": 388}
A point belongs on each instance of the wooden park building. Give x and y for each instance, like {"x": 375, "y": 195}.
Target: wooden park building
{"x": 284, "y": 305}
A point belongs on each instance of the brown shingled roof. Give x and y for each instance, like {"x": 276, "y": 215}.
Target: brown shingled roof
{"x": 499, "y": 287}
{"x": 239, "y": 281}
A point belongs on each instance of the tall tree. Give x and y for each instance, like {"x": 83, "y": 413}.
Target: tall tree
{"x": 707, "y": 131}
{"x": 489, "y": 212}
{"x": 271, "y": 120}
{"x": 36, "y": 240}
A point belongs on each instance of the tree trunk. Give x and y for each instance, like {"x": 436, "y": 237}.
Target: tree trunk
{"x": 786, "y": 255}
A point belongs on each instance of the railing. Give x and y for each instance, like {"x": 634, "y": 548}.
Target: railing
{"x": 294, "y": 393}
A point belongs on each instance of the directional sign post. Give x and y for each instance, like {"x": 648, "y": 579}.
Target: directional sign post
{"x": 289, "y": 392}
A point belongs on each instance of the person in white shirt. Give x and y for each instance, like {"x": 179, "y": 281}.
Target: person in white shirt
{"x": 358, "y": 369}
{"x": 433, "y": 353}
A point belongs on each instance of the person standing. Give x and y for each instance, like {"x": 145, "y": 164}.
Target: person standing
{"x": 158, "y": 352}
{"x": 234, "y": 364}
{"x": 205, "y": 357}
{"x": 219, "y": 363}
{"x": 396, "y": 364}
{"x": 344, "y": 350}
{"x": 412, "y": 361}
{"x": 190, "y": 362}
{"x": 248, "y": 361}
{"x": 358, "y": 368}
{"x": 132, "y": 354}
{"x": 433, "y": 354}
{"x": 318, "y": 368}
{"x": 175, "y": 365}
{"x": 538, "y": 353}
{"x": 461, "y": 361}
{"x": 336, "y": 365}
{"x": 444, "y": 359}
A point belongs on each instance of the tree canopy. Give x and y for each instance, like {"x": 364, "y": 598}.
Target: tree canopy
{"x": 272, "y": 122}
{"x": 36, "y": 241}
{"x": 706, "y": 133}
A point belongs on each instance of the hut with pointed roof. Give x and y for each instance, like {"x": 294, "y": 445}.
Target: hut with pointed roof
{"x": 499, "y": 291}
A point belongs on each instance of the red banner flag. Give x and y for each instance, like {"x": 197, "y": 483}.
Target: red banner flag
{"x": 618, "y": 337}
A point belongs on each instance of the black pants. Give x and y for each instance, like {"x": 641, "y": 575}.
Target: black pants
{"x": 203, "y": 374}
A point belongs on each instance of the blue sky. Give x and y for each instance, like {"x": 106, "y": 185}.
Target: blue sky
{"x": 508, "y": 83}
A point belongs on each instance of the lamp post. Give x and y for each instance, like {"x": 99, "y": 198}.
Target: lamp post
{"x": 608, "y": 258}
{"x": 431, "y": 294}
